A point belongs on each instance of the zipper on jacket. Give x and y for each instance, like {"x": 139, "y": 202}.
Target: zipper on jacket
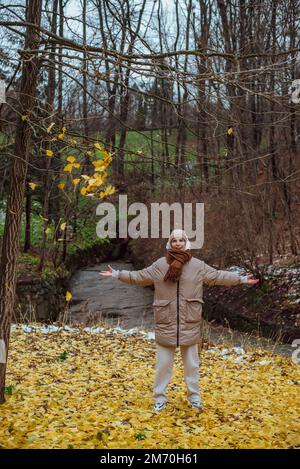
{"x": 177, "y": 313}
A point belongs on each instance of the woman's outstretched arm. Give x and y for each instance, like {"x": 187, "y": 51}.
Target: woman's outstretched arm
{"x": 141, "y": 277}
{"x": 213, "y": 277}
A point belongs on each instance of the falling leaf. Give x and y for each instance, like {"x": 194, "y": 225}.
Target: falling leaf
{"x": 32, "y": 185}
{"x": 68, "y": 296}
{"x": 68, "y": 168}
{"x": 108, "y": 191}
{"x": 71, "y": 159}
{"x": 98, "y": 146}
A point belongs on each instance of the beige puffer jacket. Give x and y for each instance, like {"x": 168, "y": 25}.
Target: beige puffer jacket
{"x": 178, "y": 305}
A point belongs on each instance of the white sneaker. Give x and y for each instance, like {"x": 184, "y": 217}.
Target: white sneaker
{"x": 159, "y": 406}
{"x": 197, "y": 405}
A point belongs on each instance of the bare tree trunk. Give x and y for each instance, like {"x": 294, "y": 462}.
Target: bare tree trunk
{"x": 59, "y": 120}
{"x": 11, "y": 237}
{"x": 48, "y": 161}
{"x": 201, "y": 42}
{"x": 27, "y": 243}
{"x": 125, "y": 97}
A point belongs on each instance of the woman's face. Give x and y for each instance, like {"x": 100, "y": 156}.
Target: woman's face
{"x": 178, "y": 243}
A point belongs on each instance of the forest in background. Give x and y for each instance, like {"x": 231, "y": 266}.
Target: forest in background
{"x": 195, "y": 100}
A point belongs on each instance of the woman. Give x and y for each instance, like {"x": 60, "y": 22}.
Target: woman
{"x": 178, "y": 280}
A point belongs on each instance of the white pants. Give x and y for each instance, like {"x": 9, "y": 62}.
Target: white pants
{"x": 164, "y": 369}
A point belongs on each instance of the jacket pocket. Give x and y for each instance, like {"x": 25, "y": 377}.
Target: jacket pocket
{"x": 193, "y": 311}
{"x": 162, "y": 314}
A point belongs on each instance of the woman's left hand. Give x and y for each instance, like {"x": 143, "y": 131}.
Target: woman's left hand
{"x": 250, "y": 280}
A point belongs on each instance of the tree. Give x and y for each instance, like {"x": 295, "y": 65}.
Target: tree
{"x": 10, "y": 244}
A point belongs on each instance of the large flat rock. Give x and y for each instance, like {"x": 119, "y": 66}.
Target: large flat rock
{"x": 96, "y": 298}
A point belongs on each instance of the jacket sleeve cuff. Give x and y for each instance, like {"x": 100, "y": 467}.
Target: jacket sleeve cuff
{"x": 115, "y": 273}
{"x": 244, "y": 278}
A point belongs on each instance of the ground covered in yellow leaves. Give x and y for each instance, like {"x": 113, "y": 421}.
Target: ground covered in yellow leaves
{"x": 67, "y": 389}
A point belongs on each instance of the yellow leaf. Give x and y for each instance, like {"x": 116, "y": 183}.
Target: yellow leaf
{"x": 230, "y": 131}
{"x": 63, "y": 226}
{"x": 108, "y": 191}
{"x": 32, "y": 185}
{"x": 76, "y": 182}
{"x": 100, "y": 165}
{"x": 49, "y": 153}
{"x": 68, "y": 168}
{"x": 24, "y": 118}
{"x": 68, "y": 296}
{"x": 47, "y": 231}
{"x": 61, "y": 136}
{"x": 71, "y": 159}
{"x": 107, "y": 159}
{"x": 61, "y": 185}
{"x": 83, "y": 191}
{"x": 98, "y": 146}
{"x": 91, "y": 181}
{"x": 76, "y": 165}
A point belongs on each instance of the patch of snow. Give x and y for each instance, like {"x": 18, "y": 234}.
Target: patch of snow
{"x": 239, "y": 350}
{"x": 94, "y": 330}
{"x": 239, "y": 359}
{"x": 236, "y": 270}
{"x": 264, "y": 362}
{"x": 295, "y": 301}
{"x": 149, "y": 335}
{"x": 71, "y": 329}
{"x": 47, "y": 329}
{"x": 26, "y": 328}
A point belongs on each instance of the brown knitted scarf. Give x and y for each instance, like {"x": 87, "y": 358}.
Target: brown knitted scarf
{"x": 176, "y": 259}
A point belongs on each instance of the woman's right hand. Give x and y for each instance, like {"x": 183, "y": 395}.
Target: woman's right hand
{"x": 107, "y": 273}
